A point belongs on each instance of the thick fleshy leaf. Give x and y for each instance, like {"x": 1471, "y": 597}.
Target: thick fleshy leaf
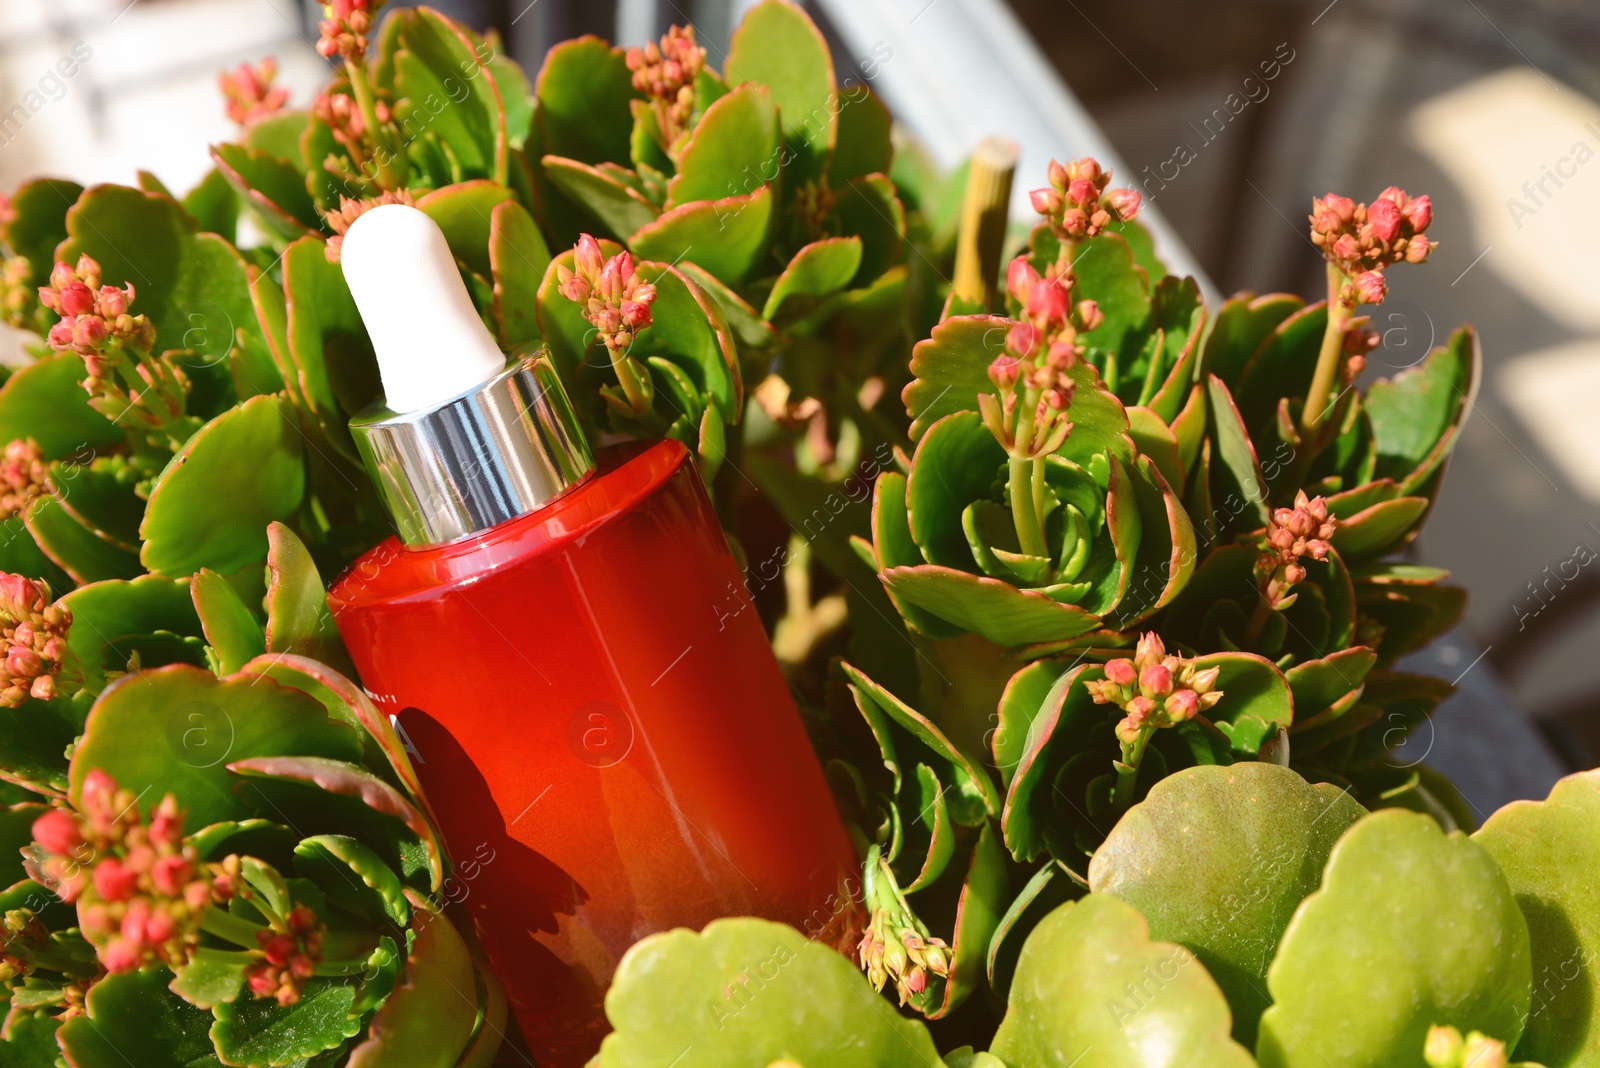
{"x": 353, "y": 876}
{"x": 727, "y": 237}
{"x": 1236, "y": 466}
{"x": 1282, "y": 364}
{"x": 997, "y": 610}
{"x": 1549, "y": 851}
{"x": 463, "y": 212}
{"x": 437, "y": 57}
{"x": 1380, "y": 529}
{"x": 1107, "y": 275}
{"x": 1020, "y": 702}
{"x": 745, "y": 321}
{"x": 863, "y": 144}
{"x": 260, "y": 1031}
{"x": 232, "y": 631}
{"x": 1318, "y": 684}
{"x": 518, "y": 258}
{"x": 688, "y": 329}
{"x": 583, "y": 90}
{"x": 1411, "y": 928}
{"x": 173, "y": 730}
{"x": 40, "y": 223}
{"x": 101, "y": 497}
{"x": 619, "y": 207}
{"x": 745, "y": 992}
{"x": 108, "y": 616}
{"x": 870, "y": 207}
{"x": 778, "y": 46}
{"x": 983, "y": 900}
{"x": 1256, "y": 699}
{"x": 955, "y": 464}
{"x": 1218, "y": 859}
{"x": 335, "y": 369}
{"x": 1412, "y": 412}
{"x": 1240, "y": 326}
{"x": 80, "y": 552}
{"x": 280, "y": 135}
{"x": 30, "y": 1041}
{"x": 1155, "y": 439}
{"x": 1057, "y": 732}
{"x": 431, "y": 1016}
{"x": 298, "y": 620}
{"x": 34, "y": 739}
{"x": 1092, "y": 990}
{"x": 819, "y": 270}
{"x": 274, "y": 189}
{"x": 45, "y": 401}
{"x": 200, "y": 515}
{"x": 734, "y": 148}
{"x": 1049, "y": 889}
{"x": 349, "y": 781}
{"x": 134, "y": 1021}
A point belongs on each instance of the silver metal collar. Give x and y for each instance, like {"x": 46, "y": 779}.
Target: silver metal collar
{"x": 509, "y": 447}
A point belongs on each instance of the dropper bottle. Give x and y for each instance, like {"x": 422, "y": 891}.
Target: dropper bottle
{"x": 568, "y": 647}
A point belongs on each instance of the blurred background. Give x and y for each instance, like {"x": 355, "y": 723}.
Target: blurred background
{"x": 1229, "y": 116}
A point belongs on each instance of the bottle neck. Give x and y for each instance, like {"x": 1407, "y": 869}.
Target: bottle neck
{"x": 503, "y": 450}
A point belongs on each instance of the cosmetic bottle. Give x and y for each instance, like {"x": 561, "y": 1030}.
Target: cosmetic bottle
{"x": 567, "y": 647}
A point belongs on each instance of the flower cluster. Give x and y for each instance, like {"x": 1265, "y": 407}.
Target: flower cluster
{"x": 96, "y": 324}
{"x": 350, "y": 210}
{"x": 1076, "y": 203}
{"x": 24, "y": 477}
{"x": 289, "y": 957}
{"x": 34, "y": 633}
{"x": 139, "y": 889}
{"x": 250, "y": 94}
{"x": 1359, "y": 339}
{"x": 344, "y": 28}
{"x": 1362, "y": 240}
{"x": 665, "y": 74}
{"x": 616, "y": 302}
{"x": 1446, "y": 1048}
{"x": 893, "y": 949}
{"x": 1039, "y": 350}
{"x": 1155, "y": 689}
{"x": 1291, "y": 534}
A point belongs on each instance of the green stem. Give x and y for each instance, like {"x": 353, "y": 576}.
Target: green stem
{"x": 235, "y": 929}
{"x": 1128, "y": 771}
{"x": 1316, "y": 406}
{"x": 390, "y": 163}
{"x": 1021, "y": 473}
{"x": 1258, "y": 621}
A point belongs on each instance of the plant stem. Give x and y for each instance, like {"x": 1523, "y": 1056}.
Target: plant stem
{"x": 1128, "y": 772}
{"x": 389, "y": 175}
{"x": 1024, "y": 509}
{"x": 1315, "y": 410}
{"x": 224, "y": 924}
{"x": 1258, "y": 621}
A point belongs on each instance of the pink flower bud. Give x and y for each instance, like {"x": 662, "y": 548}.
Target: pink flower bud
{"x": 170, "y": 874}
{"x": 61, "y": 276}
{"x": 1090, "y": 317}
{"x": 1384, "y": 218}
{"x": 113, "y": 882}
{"x": 1021, "y": 278}
{"x": 1003, "y": 371}
{"x": 587, "y": 257}
{"x": 88, "y": 331}
{"x": 114, "y": 302}
{"x": 1155, "y": 681}
{"x": 1392, "y": 195}
{"x": 88, "y": 271}
{"x": 1418, "y": 249}
{"x": 1371, "y": 287}
{"x": 119, "y": 955}
{"x": 1347, "y": 248}
{"x": 99, "y": 790}
{"x": 1082, "y": 193}
{"x": 1075, "y": 221}
{"x": 1121, "y": 672}
{"x": 1056, "y": 174}
{"x": 1124, "y": 203}
{"x": 1087, "y": 169}
{"x": 57, "y": 832}
{"x": 1055, "y": 399}
{"x": 1049, "y": 301}
{"x": 635, "y": 314}
{"x": 60, "y": 336}
{"x": 1182, "y": 705}
{"x": 76, "y": 299}
{"x": 24, "y": 662}
{"x": 1044, "y": 201}
{"x": 1021, "y": 339}
{"x": 1419, "y": 213}
{"x": 1140, "y": 707}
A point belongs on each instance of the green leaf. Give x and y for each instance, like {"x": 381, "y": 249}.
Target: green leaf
{"x": 80, "y": 552}
{"x": 21, "y": 555}
{"x": 995, "y": 609}
{"x": 1093, "y": 991}
{"x": 232, "y": 630}
{"x": 687, "y": 328}
{"x": 1242, "y": 324}
{"x": 30, "y": 1041}
{"x": 171, "y": 730}
{"x": 16, "y": 831}
{"x": 1415, "y": 412}
{"x": 133, "y": 1021}
{"x": 818, "y": 270}
{"x": 863, "y": 145}
{"x": 279, "y": 135}
{"x": 619, "y": 207}
{"x": 1239, "y": 468}
{"x": 1256, "y": 699}
{"x": 298, "y": 620}
{"x": 274, "y": 189}
{"x": 746, "y": 323}
{"x": 323, "y": 332}
{"x": 518, "y": 258}
{"x": 108, "y": 615}
{"x": 747, "y": 992}
{"x": 462, "y": 212}
{"x": 583, "y": 90}
{"x": 431, "y": 1016}
{"x": 1411, "y": 928}
{"x": 1155, "y": 439}
{"x": 727, "y": 237}
{"x": 470, "y": 118}
{"x": 1049, "y": 888}
{"x": 869, "y": 207}
{"x": 1380, "y": 529}
{"x": 212, "y": 976}
{"x": 45, "y": 401}
{"x": 353, "y": 876}
{"x": 734, "y": 148}
{"x": 40, "y": 207}
{"x": 777, "y": 45}
{"x": 1549, "y": 851}
{"x": 201, "y": 514}
{"x": 1218, "y": 859}
{"x": 1107, "y": 275}
{"x": 259, "y": 1031}
{"x": 34, "y": 739}
{"x": 984, "y": 896}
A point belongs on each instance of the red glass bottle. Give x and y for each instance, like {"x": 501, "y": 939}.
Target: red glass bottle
{"x": 569, "y": 650}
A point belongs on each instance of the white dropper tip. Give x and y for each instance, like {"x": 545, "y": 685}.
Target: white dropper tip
{"x": 430, "y": 343}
